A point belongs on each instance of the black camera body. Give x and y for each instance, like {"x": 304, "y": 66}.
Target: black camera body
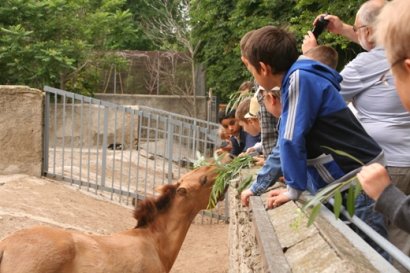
{"x": 320, "y": 25}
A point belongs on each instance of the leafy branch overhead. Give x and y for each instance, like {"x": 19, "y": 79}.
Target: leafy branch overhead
{"x": 236, "y": 98}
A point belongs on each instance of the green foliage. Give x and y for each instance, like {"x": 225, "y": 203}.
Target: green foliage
{"x": 246, "y": 182}
{"x": 221, "y": 24}
{"x": 235, "y": 99}
{"x": 60, "y": 42}
{"x": 225, "y": 173}
{"x": 54, "y": 42}
{"x": 334, "y": 190}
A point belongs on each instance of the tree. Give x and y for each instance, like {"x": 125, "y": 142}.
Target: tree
{"x": 171, "y": 30}
{"x": 58, "y": 42}
{"x": 222, "y": 23}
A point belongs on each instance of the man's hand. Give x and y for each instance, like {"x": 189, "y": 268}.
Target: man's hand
{"x": 309, "y": 42}
{"x": 374, "y": 179}
{"x": 337, "y": 26}
{"x": 245, "y": 197}
{"x": 277, "y": 198}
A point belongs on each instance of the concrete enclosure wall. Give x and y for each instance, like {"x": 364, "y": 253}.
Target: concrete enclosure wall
{"x": 174, "y": 104}
{"x": 85, "y": 124}
{"x": 21, "y": 110}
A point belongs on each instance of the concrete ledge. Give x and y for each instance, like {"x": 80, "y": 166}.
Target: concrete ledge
{"x": 272, "y": 254}
{"x": 285, "y": 244}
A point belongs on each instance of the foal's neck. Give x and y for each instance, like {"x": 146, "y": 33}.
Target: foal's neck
{"x": 170, "y": 230}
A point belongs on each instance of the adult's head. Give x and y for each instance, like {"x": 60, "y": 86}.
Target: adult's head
{"x": 364, "y": 24}
{"x": 270, "y": 51}
{"x": 393, "y": 32}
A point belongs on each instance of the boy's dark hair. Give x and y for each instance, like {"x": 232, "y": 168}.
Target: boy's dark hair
{"x": 244, "y": 40}
{"x": 324, "y": 54}
{"x": 223, "y": 115}
{"x": 272, "y": 46}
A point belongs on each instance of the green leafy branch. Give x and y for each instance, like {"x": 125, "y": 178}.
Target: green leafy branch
{"x": 236, "y": 98}
{"x": 225, "y": 173}
{"x": 334, "y": 190}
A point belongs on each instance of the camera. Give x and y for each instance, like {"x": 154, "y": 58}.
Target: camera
{"x": 320, "y": 25}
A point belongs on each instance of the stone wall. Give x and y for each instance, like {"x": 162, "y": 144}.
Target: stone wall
{"x": 328, "y": 245}
{"x": 244, "y": 255}
{"x": 21, "y": 110}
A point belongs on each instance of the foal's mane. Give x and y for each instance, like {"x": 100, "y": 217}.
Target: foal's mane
{"x": 149, "y": 208}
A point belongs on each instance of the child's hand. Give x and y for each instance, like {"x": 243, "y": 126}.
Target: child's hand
{"x": 245, "y": 197}
{"x": 374, "y": 179}
{"x": 277, "y": 198}
{"x": 250, "y": 150}
{"x": 259, "y": 160}
{"x": 309, "y": 42}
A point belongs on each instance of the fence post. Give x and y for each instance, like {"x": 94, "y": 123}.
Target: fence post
{"x": 170, "y": 142}
{"x": 46, "y": 132}
{"x": 104, "y": 148}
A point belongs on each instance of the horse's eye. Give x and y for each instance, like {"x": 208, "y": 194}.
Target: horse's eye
{"x": 203, "y": 179}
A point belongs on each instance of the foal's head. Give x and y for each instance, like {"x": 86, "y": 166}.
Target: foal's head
{"x": 189, "y": 194}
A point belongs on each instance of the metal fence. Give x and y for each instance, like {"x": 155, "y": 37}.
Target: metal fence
{"x": 121, "y": 152}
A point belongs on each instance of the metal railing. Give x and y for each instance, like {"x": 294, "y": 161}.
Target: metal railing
{"x": 118, "y": 151}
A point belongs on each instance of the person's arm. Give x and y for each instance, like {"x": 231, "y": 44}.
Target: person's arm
{"x": 339, "y": 27}
{"x": 390, "y": 201}
{"x": 269, "y": 173}
{"x": 309, "y": 42}
{"x": 258, "y": 147}
{"x": 352, "y": 83}
{"x": 396, "y": 206}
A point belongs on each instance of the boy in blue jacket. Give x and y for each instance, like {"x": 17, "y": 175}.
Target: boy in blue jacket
{"x": 315, "y": 121}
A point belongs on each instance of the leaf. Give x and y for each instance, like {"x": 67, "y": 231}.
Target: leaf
{"x": 357, "y": 188}
{"x": 314, "y": 213}
{"x": 245, "y": 183}
{"x": 226, "y": 172}
{"x": 337, "y": 205}
{"x": 322, "y": 195}
{"x": 341, "y": 153}
{"x": 350, "y": 203}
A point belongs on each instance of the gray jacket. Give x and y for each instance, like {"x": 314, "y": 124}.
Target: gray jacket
{"x": 395, "y": 205}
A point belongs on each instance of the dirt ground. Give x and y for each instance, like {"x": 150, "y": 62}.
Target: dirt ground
{"x": 26, "y": 201}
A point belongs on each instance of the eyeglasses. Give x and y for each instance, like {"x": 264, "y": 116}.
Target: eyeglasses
{"x": 355, "y": 29}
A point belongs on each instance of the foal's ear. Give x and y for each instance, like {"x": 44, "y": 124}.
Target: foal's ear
{"x": 160, "y": 188}
{"x": 182, "y": 191}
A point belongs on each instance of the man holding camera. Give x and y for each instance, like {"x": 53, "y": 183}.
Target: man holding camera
{"x": 368, "y": 84}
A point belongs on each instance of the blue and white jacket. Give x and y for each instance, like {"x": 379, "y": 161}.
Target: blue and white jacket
{"x": 315, "y": 124}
